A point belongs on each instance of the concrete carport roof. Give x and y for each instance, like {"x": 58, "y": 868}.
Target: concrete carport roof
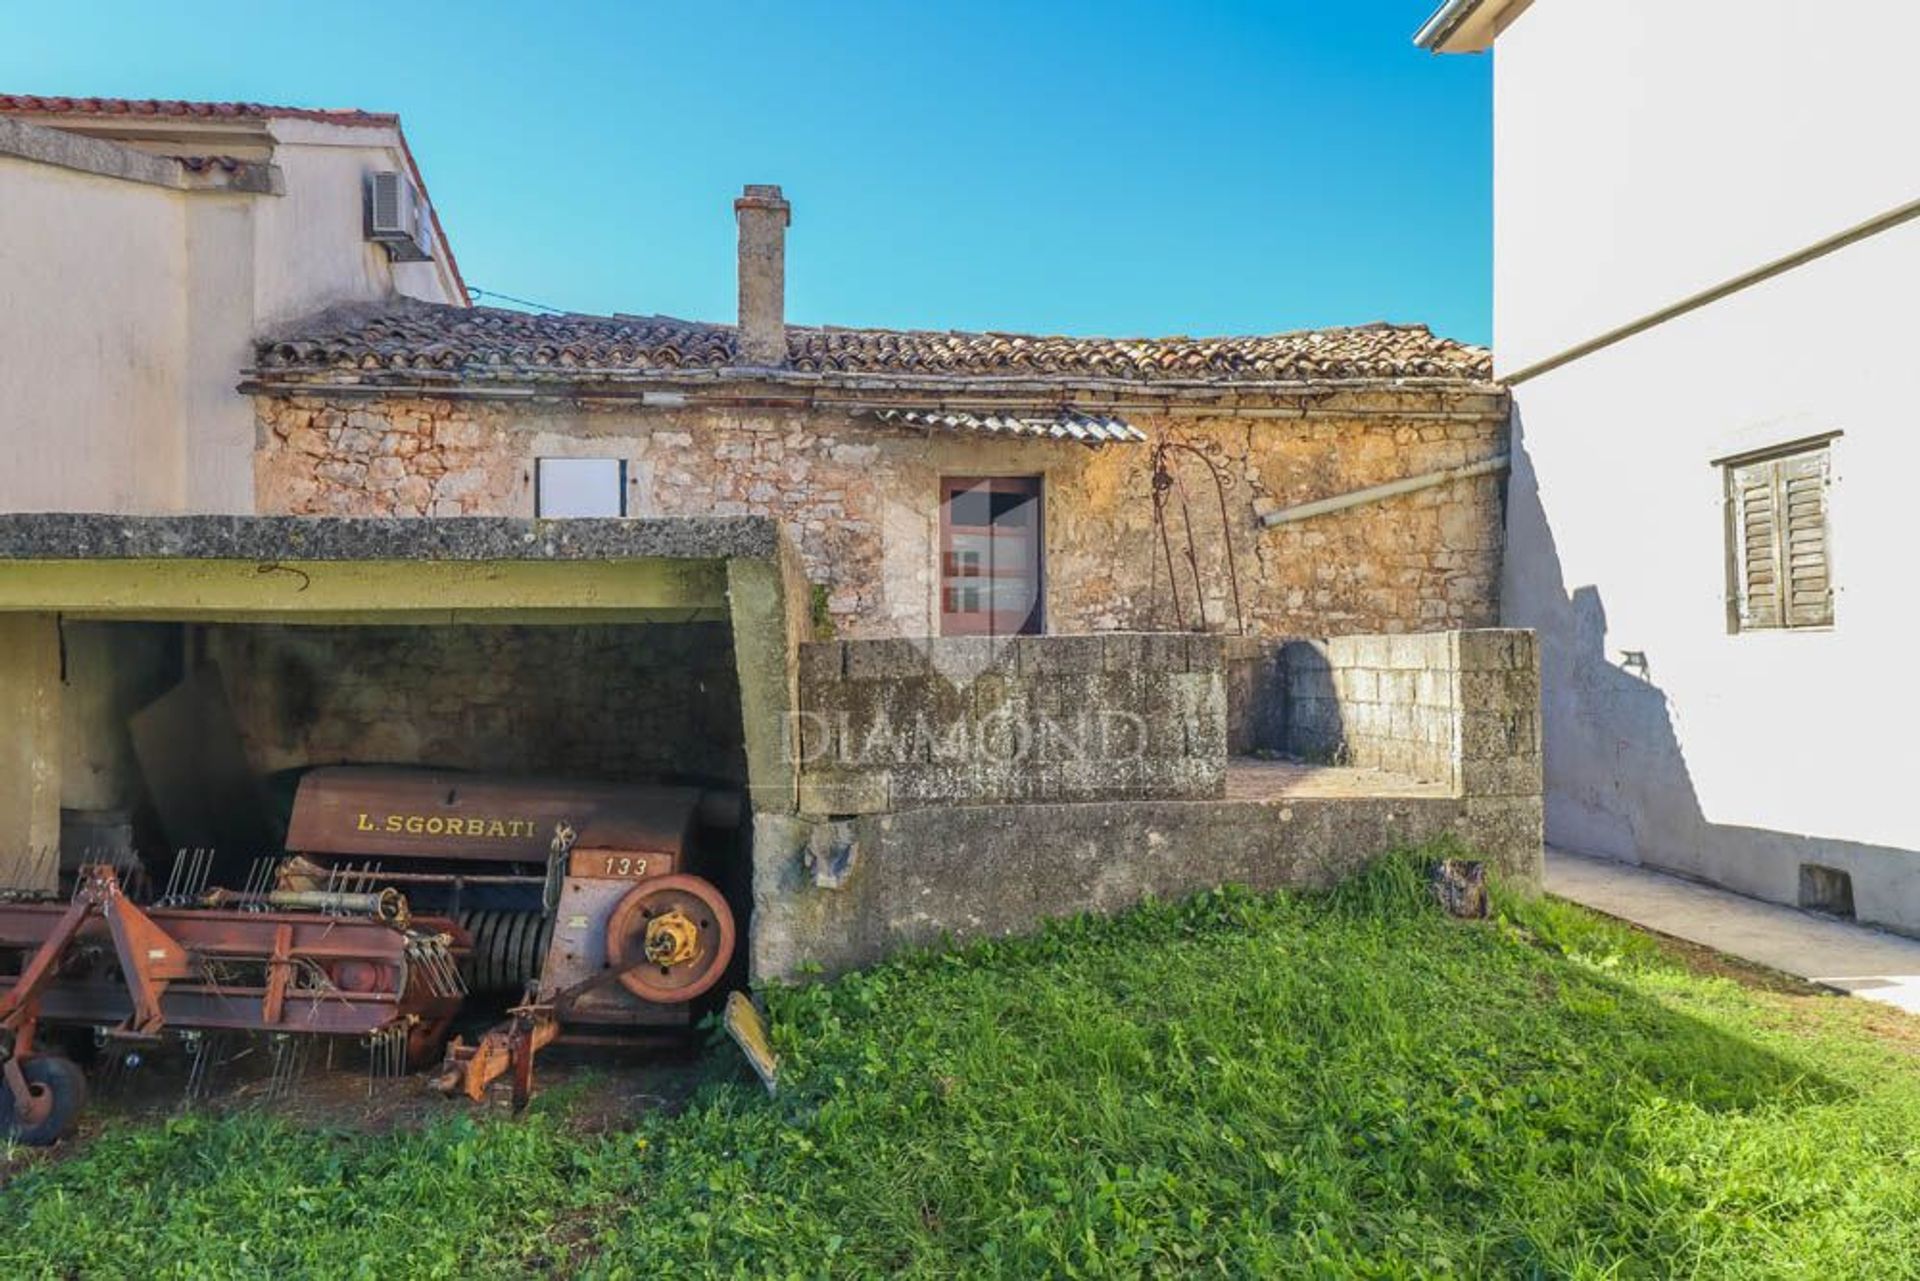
{"x": 370, "y": 570}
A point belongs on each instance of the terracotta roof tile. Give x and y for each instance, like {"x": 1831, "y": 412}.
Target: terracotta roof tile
{"x": 489, "y": 343}
{"x": 35, "y": 104}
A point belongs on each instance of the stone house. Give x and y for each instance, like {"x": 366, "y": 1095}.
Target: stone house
{"x": 934, "y": 483}
{"x": 983, "y": 627}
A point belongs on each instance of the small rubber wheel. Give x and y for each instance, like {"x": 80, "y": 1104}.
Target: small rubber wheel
{"x": 61, "y": 1086}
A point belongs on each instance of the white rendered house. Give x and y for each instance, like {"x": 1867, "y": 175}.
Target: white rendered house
{"x": 1707, "y": 235}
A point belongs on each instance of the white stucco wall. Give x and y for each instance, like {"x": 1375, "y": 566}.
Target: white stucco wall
{"x": 1642, "y": 154}
{"x": 1646, "y": 149}
{"x": 130, "y": 311}
{"x": 93, "y": 272}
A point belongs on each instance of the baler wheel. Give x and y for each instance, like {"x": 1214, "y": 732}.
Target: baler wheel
{"x": 59, "y": 1088}
{"x": 690, "y": 904}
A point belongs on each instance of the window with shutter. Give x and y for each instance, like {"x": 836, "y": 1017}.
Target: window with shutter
{"x": 1779, "y": 571}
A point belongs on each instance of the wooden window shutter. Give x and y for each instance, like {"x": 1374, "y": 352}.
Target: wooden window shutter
{"x": 1806, "y": 584}
{"x": 1756, "y": 562}
{"x": 1780, "y": 572}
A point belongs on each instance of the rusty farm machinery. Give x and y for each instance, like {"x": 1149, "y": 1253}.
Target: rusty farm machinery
{"x": 404, "y": 898}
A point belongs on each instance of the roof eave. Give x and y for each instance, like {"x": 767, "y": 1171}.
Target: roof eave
{"x": 1468, "y": 26}
{"x": 281, "y": 380}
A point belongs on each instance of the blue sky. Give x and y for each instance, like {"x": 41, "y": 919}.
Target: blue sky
{"x": 1098, "y": 168}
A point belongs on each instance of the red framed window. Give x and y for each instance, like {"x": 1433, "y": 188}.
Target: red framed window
{"x": 992, "y": 580}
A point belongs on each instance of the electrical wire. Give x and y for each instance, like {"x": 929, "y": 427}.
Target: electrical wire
{"x": 522, "y": 302}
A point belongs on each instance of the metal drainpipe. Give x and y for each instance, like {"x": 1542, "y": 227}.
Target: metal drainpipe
{"x": 1392, "y": 489}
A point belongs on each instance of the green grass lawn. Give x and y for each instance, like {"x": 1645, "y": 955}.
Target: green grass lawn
{"x": 1344, "y": 1085}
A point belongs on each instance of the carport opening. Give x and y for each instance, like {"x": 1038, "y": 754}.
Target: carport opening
{"x": 1826, "y": 889}
{"x": 197, "y": 735}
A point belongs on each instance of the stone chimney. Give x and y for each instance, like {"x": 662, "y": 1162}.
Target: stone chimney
{"x": 763, "y": 214}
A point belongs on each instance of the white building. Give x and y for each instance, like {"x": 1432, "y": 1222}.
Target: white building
{"x": 1706, "y": 237}
{"x": 143, "y": 246}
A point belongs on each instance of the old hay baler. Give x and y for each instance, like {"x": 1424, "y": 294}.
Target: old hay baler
{"x": 404, "y": 898}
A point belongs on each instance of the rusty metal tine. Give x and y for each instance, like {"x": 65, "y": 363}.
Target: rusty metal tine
{"x": 197, "y": 1070}
{"x": 173, "y": 875}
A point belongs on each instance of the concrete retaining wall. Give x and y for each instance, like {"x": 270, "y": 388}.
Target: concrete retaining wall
{"x": 830, "y": 897}
{"x": 965, "y": 849}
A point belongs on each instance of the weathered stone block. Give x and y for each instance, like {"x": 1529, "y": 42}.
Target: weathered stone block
{"x": 1052, "y": 655}
{"x": 1502, "y": 776}
{"x": 1508, "y": 831}
{"x": 1505, "y": 689}
{"x": 1201, "y": 698}
{"x": 1497, "y": 734}
{"x": 1163, "y": 651}
{"x": 1206, "y": 654}
{"x": 1485, "y": 649}
{"x": 1122, "y": 651}
{"x": 885, "y": 658}
{"x": 845, "y": 792}
{"x": 821, "y": 662}
{"x": 961, "y": 660}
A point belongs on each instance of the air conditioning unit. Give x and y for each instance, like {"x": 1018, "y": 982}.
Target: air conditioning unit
{"x": 397, "y": 217}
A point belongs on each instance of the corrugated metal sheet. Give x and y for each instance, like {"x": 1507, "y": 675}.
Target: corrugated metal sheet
{"x": 1087, "y": 429}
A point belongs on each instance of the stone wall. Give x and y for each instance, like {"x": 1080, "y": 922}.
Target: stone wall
{"x": 906, "y": 723}
{"x": 860, "y": 500}
{"x": 605, "y": 701}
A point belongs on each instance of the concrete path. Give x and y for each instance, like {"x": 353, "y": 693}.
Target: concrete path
{"x": 1851, "y": 958}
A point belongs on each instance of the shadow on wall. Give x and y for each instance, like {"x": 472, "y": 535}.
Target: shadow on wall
{"x": 1616, "y": 776}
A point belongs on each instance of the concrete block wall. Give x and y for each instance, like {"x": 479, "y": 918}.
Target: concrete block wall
{"x": 891, "y": 724}
{"x": 1460, "y": 708}
{"x": 1379, "y": 702}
